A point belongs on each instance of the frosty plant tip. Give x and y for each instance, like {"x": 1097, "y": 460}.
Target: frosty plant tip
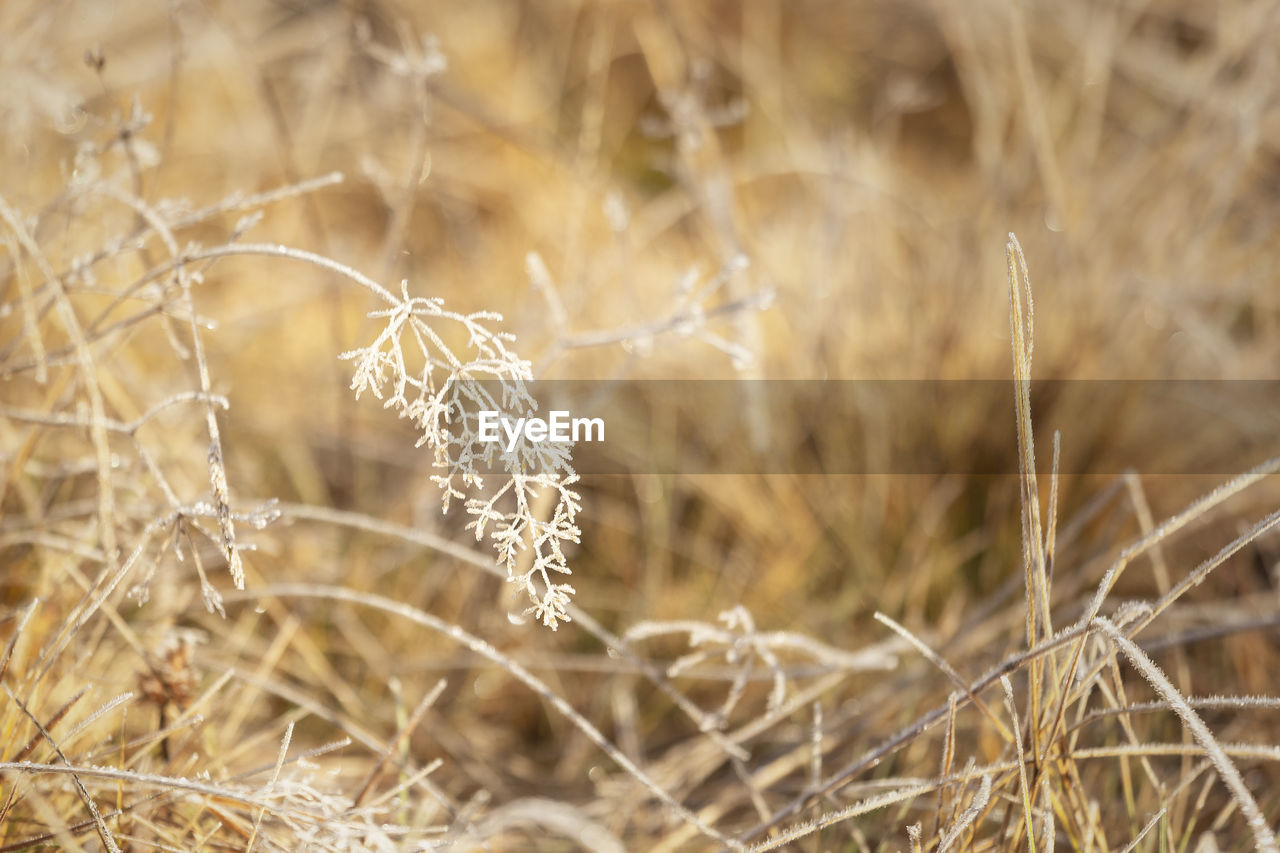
{"x": 411, "y": 368}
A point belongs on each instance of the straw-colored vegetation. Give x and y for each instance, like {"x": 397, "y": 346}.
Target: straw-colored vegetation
{"x": 234, "y": 616}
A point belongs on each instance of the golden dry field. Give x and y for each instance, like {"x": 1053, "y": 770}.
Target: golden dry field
{"x": 906, "y": 533}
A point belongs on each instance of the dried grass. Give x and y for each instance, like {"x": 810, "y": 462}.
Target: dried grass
{"x": 234, "y": 616}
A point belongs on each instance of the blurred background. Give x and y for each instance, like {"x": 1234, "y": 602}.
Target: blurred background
{"x": 646, "y": 191}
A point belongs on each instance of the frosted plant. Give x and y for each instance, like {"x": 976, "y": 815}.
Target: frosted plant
{"x": 443, "y": 394}
{"x": 739, "y": 644}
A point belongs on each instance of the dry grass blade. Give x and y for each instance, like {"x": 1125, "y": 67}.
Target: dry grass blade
{"x": 913, "y": 835}
{"x": 871, "y": 804}
{"x": 515, "y": 669}
{"x": 1024, "y": 787}
{"x": 1022, "y": 334}
{"x": 1034, "y": 542}
{"x": 88, "y": 371}
{"x": 396, "y": 742}
{"x": 468, "y": 556}
{"x": 966, "y": 819}
{"x": 275, "y": 777}
{"x": 108, "y": 840}
{"x": 955, "y": 677}
{"x": 21, "y": 625}
{"x": 1160, "y": 534}
{"x": 1263, "y": 835}
{"x": 42, "y": 734}
{"x": 1159, "y": 815}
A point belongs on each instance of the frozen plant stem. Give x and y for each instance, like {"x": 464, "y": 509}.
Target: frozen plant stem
{"x": 1264, "y": 837}
{"x": 217, "y": 467}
